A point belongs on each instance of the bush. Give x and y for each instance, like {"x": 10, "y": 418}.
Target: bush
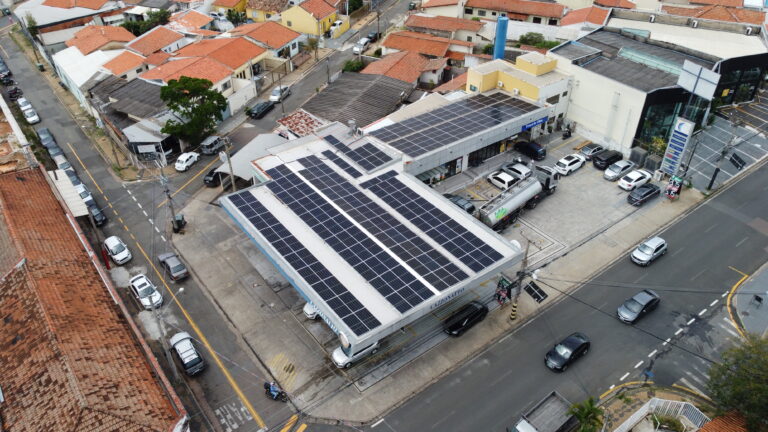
{"x": 668, "y": 422}
{"x": 488, "y": 49}
{"x": 353, "y": 66}
{"x": 531, "y": 38}
{"x": 377, "y": 53}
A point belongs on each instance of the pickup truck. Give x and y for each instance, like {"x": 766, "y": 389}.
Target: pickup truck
{"x": 549, "y": 415}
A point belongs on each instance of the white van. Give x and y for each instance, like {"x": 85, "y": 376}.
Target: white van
{"x": 343, "y": 358}
{"x": 212, "y": 145}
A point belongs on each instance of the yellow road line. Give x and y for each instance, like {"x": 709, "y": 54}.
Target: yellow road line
{"x": 691, "y": 391}
{"x": 289, "y": 424}
{"x": 564, "y": 143}
{"x": 86, "y": 171}
{"x": 189, "y": 319}
{"x": 744, "y": 277}
{"x": 622, "y": 385}
{"x": 205, "y": 168}
{"x": 301, "y": 428}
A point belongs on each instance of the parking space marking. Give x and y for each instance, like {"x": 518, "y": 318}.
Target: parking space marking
{"x": 639, "y": 363}
{"x": 690, "y": 321}
{"x": 653, "y": 353}
{"x": 623, "y": 377}
{"x": 714, "y": 302}
{"x": 703, "y": 311}
{"x": 741, "y": 242}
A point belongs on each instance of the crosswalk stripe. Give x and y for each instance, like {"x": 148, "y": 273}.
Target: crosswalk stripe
{"x": 729, "y": 330}
{"x": 301, "y": 428}
{"x": 289, "y": 424}
{"x": 690, "y": 386}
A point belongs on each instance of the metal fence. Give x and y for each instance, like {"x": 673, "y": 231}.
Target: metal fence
{"x": 664, "y": 407}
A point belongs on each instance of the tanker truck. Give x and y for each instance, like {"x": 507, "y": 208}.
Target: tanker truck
{"x": 504, "y": 209}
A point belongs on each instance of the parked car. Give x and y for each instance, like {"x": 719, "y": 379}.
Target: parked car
{"x": 212, "y": 178}
{"x": 54, "y": 150}
{"x": 342, "y": 359}
{"x": 73, "y": 177}
{"x": 23, "y": 103}
{"x": 85, "y": 194}
{"x": 45, "y": 136}
{"x": 643, "y": 193}
{"x": 335, "y": 26}
{"x": 145, "y": 292}
{"x": 638, "y": 306}
{"x": 62, "y": 163}
{"x": 260, "y": 109}
{"x": 117, "y": 250}
{"x": 502, "y": 180}
{"x": 648, "y": 251}
{"x": 634, "y": 179}
{"x": 590, "y": 150}
{"x": 606, "y": 158}
{"x": 279, "y": 93}
{"x": 173, "y": 266}
{"x": 361, "y": 46}
{"x": 186, "y": 160}
{"x": 373, "y": 36}
{"x": 99, "y": 218}
{"x": 461, "y": 202}
{"x": 31, "y": 116}
{"x": 570, "y": 163}
{"x": 618, "y": 170}
{"x": 216, "y": 15}
{"x": 310, "y": 311}
{"x": 464, "y": 318}
{"x": 531, "y": 149}
{"x": 185, "y": 352}
{"x": 566, "y": 352}
{"x": 517, "y": 170}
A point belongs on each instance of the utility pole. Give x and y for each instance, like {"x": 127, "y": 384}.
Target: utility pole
{"x": 229, "y": 161}
{"x": 169, "y": 198}
{"x": 328, "y": 69}
{"x": 280, "y": 86}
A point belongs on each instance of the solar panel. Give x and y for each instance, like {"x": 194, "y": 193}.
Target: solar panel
{"x": 433, "y": 266}
{"x": 371, "y": 261}
{"x": 339, "y": 299}
{"x": 460, "y": 242}
{"x": 366, "y": 156}
{"x": 341, "y": 163}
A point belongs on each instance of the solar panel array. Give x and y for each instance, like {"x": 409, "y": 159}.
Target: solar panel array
{"x": 393, "y": 281}
{"x": 467, "y": 247}
{"x": 336, "y": 295}
{"x": 367, "y": 155}
{"x": 447, "y": 124}
{"x": 430, "y": 264}
{"x": 341, "y": 163}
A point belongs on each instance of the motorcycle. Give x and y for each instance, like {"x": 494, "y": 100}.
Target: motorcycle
{"x": 8, "y": 82}
{"x": 14, "y": 96}
{"x": 15, "y": 91}
{"x": 275, "y": 392}
{"x": 567, "y": 133}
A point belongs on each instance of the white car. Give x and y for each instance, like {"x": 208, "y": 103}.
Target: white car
{"x": 187, "y": 354}
{"x": 145, "y": 292}
{"x": 310, "y": 311}
{"x": 85, "y": 194}
{"x": 570, "y": 163}
{"x": 634, "y": 179}
{"x": 361, "y": 46}
{"x": 279, "y": 93}
{"x": 186, "y": 160}
{"x": 24, "y": 104}
{"x": 516, "y": 169}
{"x": 117, "y": 250}
{"x": 502, "y": 180}
{"x": 31, "y": 116}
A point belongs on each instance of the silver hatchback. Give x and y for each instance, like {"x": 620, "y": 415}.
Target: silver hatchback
{"x": 618, "y": 170}
{"x": 648, "y": 251}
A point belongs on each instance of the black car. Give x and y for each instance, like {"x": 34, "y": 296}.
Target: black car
{"x": 461, "y": 321}
{"x": 566, "y": 352}
{"x": 373, "y": 36}
{"x": 638, "y": 306}
{"x": 463, "y": 203}
{"x": 46, "y": 138}
{"x": 531, "y": 149}
{"x": 99, "y": 218}
{"x": 606, "y": 158}
{"x": 73, "y": 177}
{"x": 212, "y": 178}
{"x": 260, "y": 109}
{"x": 643, "y": 193}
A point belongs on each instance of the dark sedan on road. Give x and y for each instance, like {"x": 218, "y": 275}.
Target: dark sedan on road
{"x": 638, "y": 306}
{"x": 566, "y": 352}
{"x": 46, "y": 138}
{"x": 643, "y": 193}
{"x": 260, "y": 109}
{"x": 466, "y": 317}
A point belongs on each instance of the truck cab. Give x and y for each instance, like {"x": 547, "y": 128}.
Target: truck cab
{"x": 548, "y": 415}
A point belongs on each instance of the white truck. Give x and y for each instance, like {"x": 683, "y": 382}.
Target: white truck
{"x": 504, "y": 209}
{"x": 549, "y": 415}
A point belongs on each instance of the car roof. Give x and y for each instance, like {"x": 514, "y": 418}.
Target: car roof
{"x": 503, "y": 175}
{"x": 574, "y": 340}
{"x": 645, "y": 187}
{"x": 644, "y": 296}
{"x": 113, "y": 240}
{"x": 623, "y": 163}
{"x": 569, "y": 157}
{"x": 654, "y": 241}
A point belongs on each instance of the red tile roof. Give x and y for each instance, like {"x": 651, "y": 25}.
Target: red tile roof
{"x": 623, "y": 4}
{"x": 318, "y": 8}
{"x": 226, "y": 3}
{"x": 71, "y": 360}
{"x": 233, "y": 52}
{"x": 443, "y": 23}
{"x": 301, "y": 123}
{"x": 267, "y": 5}
{"x": 270, "y": 33}
{"x": 193, "y": 67}
{"x": 405, "y": 66}
{"x": 730, "y": 3}
{"x": 157, "y": 58}
{"x": 458, "y": 83}
{"x": 154, "y": 40}
{"x": 594, "y": 15}
{"x": 93, "y": 37}
{"x": 420, "y": 42}
{"x": 438, "y": 3}
{"x": 524, "y": 7}
{"x": 190, "y": 19}
{"x": 727, "y": 423}
{"x": 67, "y": 4}
{"x": 124, "y": 62}
{"x": 719, "y": 13}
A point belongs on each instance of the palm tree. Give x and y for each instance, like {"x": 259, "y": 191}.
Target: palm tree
{"x": 588, "y": 414}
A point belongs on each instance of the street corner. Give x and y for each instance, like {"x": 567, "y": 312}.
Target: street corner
{"x": 749, "y": 302}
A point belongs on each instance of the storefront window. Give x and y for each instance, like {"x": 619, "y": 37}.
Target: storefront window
{"x": 477, "y": 157}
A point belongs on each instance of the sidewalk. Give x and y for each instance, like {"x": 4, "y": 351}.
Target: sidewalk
{"x": 753, "y": 313}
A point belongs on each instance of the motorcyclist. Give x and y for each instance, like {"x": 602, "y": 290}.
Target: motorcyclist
{"x": 274, "y": 390}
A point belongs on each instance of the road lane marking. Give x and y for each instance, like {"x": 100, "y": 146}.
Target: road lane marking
{"x": 690, "y": 386}
{"x": 290, "y": 423}
{"x": 698, "y": 274}
{"x": 703, "y": 311}
{"x": 381, "y": 420}
{"x": 666, "y": 342}
{"x": 86, "y": 169}
{"x": 678, "y": 332}
{"x": 690, "y": 321}
{"x": 641, "y": 277}
{"x": 134, "y": 199}
{"x": 623, "y": 377}
{"x": 145, "y": 213}
{"x": 129, "y": 192}
{"x": 677, "y": 251}
{"x": 728, "y": 329}
{"x": 158, "y": 231}
{"x": 744, "y": 277}
{"x": 151, "y": 222}
{"x": 653, "y": 353}
{"x": 301, "y": 428}
{"x": 724, "y": 294}
{"x": 714, "y": 302}
{"x": 639, "y": 363}
{"x": 163, "y": 237}
{"x": 710, "y": 228}
{"x": 741, "y": 241}
{"x": 139, "y": 204}
{"x": 189, "y": 181}
{"x": 612, "y": 387}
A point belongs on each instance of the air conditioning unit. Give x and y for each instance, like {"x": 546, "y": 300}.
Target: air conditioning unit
{"x": 652, "y": 18}
{"x": 500, "y": 84}
{"x": 515, "y": 92}
{"x": 694, "y": 23}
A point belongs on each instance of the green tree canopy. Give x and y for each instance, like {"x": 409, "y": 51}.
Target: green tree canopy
{"x": 154, "y": 19}
{"x": 589, "y": 415}
{"x": 235, "y": 17}
{"x": 31, "y": 25}
{"x": 531, "y": 38}
{"x": 197, "y": 104}
{"x": 740, "y": 382}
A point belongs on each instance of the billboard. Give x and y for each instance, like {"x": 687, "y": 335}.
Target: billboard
{"x": 698, "y": 80}
{"x": 678, "y": 141}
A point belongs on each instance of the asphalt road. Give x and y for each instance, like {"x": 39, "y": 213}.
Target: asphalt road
{"x": 709, "y": 250}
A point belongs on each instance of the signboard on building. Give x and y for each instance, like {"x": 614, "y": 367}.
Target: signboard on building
{"x": 678, "y": 141}
{"x": 698, "y": 80}
{"x": 534, "y": 123}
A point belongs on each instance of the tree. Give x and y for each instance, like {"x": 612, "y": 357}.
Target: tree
{"x": 197, "y": 104}
{"x": 235, "y": 17}
{"x": 488, "y": 49}
{"x": 353, "y": 66}
{"x": 740, "y": 381}
{"x": 589, "y": 415}
{"x": 532, "y": 38}
{"x": 159, "y": 17}
{"x": 154, "y": 19}
{"x": 32, "y": 25}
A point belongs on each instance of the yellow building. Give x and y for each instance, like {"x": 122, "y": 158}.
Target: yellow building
{"x": 312, "y": 17}
{"x": 263, "y": 10}
{"x": 223, "y": 6}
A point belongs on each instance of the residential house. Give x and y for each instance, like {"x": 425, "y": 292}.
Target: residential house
{"x": 127, "y": 65}
{"x": 265, "y": 10}
{"x": 622, "y": 4}
{"x": 192, "y": 23}
{"x": 298, "y": 124}
{"x": 731, "y": 422}
{"x": 447, "y": 27}
{"x": 312, "y": 17}
{"x": 93, "y": 37}
{"x": 458, "y": 83}
{"x": 410, "y": 67}
{"x": 718, "y": 13}
{"x": 729, "y": 3}
{"x": 428, "y": 45}
{"x": 183, "y": 5}
{"x": 517, "y": 10}
{"x": 446, "y": 8}
{"x": 281, "y": 41}
{"x": 239, "y": 54}
{"x": 160, "y": 38}
{"x": 222, "y": 6}
{"x": 584, "y": 20}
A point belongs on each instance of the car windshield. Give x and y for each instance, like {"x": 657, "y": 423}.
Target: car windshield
{"x": 177, "y": 268}
{"x": 633, "y": 305}
{"x": 117, "y": 248}
{"x": 30, "y": 113}
{"x": 145, "y": 290}
{"x": 276, "y": 91}
{"x": 84, "y": 194}
{"x": 644, "y": 248}
{"x": 563, "y": 350}
{"x": 560, "y": 164}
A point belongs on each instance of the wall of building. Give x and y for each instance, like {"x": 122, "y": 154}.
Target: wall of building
{"x": 302, "y": 21}
{"x": 447, "y": 11}
{"x": 515, "y": 29}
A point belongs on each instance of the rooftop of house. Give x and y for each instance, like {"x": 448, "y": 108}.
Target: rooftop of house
{"x": 442, "y": 23}
{"x": 193, "y": 67}
{"x": 318, "y": 8}
{"x": 157, "y": 58}
{"x": 267, "y": 5}
{"x": 731, "y": 422}
{"x": 232, "y": 52}
{"x": 457, "y": 83}
{"x": 71, "y": 360}
{"x": 508, "y": 68}
{"x": 301, "y": 123}
{"x": 154, "y": 40}
{"x": 137, "y": 98}
{"x": 718, "y": 13}
{"x": 729, "y": 3}
{"x": 45, "y": 15}
{"x": 270, "y": 33}
{"x": 404, "y": 66}
{"x": 438, "y": 3}
{"x": 522, "y": 7}
{"x": 68, "y": 4}
{"x": 124, "y": 62}
{"x": 93, "y": 37}
{"x": 226, "y": 3}
{"x": 594, "y": 15}
{"x": 189, "y": 19}
{"x": 420, "y": 42}
{"x": 624, "y": 4}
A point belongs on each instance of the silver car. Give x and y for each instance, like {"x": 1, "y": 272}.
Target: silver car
{"x": 590, "y": 150}
{"x": 173, "y": 266}
{"x": 638, "y": 306}
{"x": 117, "y": 250}
{"x": 145, "y": 292}
{"x": 648, "y": 251}
{"x": 618, "y": 170}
